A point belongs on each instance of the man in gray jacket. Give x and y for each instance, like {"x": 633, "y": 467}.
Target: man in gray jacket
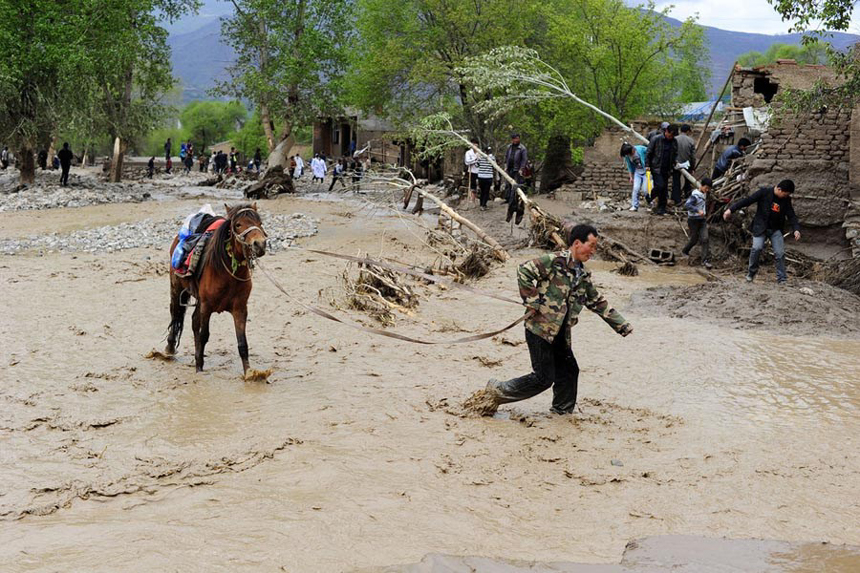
{"x": 516, "y": 158}
{"x": 686, "y": 154}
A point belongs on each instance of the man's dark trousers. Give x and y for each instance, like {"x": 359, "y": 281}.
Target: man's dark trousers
{"x": 513, "y": 198}
{"x": 64, "y": 176}
{"x": 554, "y": 365}
{"x": 661, "y": 183}
{"x": 680, "y": 192}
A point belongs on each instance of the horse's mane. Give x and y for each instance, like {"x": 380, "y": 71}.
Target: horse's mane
{"x": 217, "y": 246}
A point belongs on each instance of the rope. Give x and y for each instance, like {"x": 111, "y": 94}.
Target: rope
{"x": 378, "y": 331}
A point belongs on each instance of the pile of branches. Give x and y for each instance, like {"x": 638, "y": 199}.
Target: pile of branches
{"x": 843, "y": 274}
{"x": 459, "y": 258}
{"x": 274, "y": 182}
{"x": 379, "y": 292}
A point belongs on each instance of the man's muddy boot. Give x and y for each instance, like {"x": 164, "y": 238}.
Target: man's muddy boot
{"x": 484, "y": 402}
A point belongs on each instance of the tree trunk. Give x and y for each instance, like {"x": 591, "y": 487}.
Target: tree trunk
{"x": 280, "y": 154}
{"x": 268, "y": 126}
{"x": 27, "y": 166}
{"x": 51, "y": 151}
{"x": 558, "y": 166}
{"x": 119, "y": 146}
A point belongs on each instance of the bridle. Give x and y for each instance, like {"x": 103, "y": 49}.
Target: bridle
{"x": 240, "y": 238}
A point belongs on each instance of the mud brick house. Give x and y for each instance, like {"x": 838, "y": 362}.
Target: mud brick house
{"x": 339, "y": 136}
{"x": 819, "y": 151}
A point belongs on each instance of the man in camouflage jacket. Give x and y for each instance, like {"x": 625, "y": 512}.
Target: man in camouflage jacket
{"x": 554, "y": 288}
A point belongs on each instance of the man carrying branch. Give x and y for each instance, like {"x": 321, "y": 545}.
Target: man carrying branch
{"x": 554, "y": 288}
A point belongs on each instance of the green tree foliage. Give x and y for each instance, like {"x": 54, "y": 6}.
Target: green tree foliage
{"x": 804, "y": 54}
{"x": 208, "y": 122}
{"x": 86, "y": 67}
{"x": 410, "y": 58}
{"x": 408, "y": 52}
{"x": 251, "y": 137}
{"x": 291, "y": 57}
{"x": 37, "y": 40}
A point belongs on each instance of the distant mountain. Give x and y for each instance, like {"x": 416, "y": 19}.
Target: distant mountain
{"x": 726, "y": 46}
{"x": 199, "y": 57}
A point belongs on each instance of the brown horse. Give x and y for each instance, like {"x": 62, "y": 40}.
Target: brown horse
{"x": 223, "y": 284}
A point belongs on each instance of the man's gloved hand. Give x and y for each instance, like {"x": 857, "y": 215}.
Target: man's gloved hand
{"x": 625, "y": 329}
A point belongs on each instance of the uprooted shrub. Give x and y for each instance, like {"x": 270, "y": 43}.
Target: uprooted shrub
{"x": 379, "y": 292}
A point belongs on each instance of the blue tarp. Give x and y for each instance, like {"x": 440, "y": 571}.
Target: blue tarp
{"x": 698, "y": 111}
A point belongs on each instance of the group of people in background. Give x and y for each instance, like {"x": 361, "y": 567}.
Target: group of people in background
{"x": 481, "y": 175}
{"x": 667, "y": 154}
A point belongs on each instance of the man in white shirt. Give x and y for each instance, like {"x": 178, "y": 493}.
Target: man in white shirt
{"x": 472, "y": 167}
{"x": 300, "y": 166}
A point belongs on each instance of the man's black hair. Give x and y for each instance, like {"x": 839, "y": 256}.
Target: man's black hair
{"x": 685, "y": 128}
{"x": 474, "y": 140}
{"x": 706, "y": 181}
{"x": 744, "y": 142}
{"x": 673, "y": 129}
{"x": 581, "y": 233}
{"x": 513, "y": 135}
{"x": 787, "y": 185}
{"x": 626, "y": 148}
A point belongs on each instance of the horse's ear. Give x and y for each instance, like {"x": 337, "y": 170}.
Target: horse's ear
{"x": 254, "y": 205}
{"x": 226, "y": 208}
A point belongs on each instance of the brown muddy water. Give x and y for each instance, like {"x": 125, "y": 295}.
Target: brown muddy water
{"x": 356, "y": 454}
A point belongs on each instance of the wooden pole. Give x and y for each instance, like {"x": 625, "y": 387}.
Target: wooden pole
{"x": 500, "y": 252}
{"x": 713, "y": 109}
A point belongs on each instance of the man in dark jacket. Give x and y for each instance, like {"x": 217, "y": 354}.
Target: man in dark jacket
{"x": 167, "y": 147}
{"x": 731, "y": 153}
{"x": 516, "y": 158}
{"x": 660, "y": 159}
{"x": 65, "y": 157}
{"x": 774, "y": 206}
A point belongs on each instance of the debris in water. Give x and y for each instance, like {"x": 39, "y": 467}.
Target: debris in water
{"x": 253, "y": 375}
{"x": 156, "y": 355}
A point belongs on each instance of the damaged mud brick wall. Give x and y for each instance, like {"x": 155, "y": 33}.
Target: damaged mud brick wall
{"x": 814, "y": 150}
{"x": 756, "y": 87}
{"x": 604, "y": 172}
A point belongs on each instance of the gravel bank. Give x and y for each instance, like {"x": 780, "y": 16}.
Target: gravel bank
{"x": 282, "y": 230}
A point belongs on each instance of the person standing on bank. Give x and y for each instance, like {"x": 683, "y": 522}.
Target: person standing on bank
{"x": 516, "y": 158}
{"x": 485, "y": 178}
{"x": 634, "y": 159}
{"x": 773, "y": 207}
{"x": 697, "y": 221}
{"x": 686, "y": 158}
{"x": 65, "y": 156}
{"x": 660, "y": 159}
{"x": 471, "y": 161}
{"x": 554, "y": 288}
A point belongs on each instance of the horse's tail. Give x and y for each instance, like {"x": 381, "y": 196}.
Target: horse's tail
{"x": 178, "y": 303}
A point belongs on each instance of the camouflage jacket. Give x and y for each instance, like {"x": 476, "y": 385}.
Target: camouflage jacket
{"x": 555, "y": 286}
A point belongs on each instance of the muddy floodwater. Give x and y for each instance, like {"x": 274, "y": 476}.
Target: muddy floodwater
{"x": 357, "y": 453}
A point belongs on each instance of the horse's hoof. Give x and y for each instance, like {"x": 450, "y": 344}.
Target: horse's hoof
{"x": 252, "y": 375}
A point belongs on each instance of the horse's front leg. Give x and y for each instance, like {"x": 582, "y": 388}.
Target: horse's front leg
{"x": 239, "y": 319}
{"x": 200, "y": 324}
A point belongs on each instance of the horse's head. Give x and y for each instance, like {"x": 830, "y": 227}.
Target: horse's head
{"x": 247, "y": 228}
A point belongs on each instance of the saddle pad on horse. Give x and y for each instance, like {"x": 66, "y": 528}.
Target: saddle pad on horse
{"x": 195, "y": 246}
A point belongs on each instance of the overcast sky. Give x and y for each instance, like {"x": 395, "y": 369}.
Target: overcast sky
{"x": 755, "y": 16}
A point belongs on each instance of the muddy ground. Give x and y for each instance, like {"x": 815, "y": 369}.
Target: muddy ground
{"x": 357, "y": 453}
